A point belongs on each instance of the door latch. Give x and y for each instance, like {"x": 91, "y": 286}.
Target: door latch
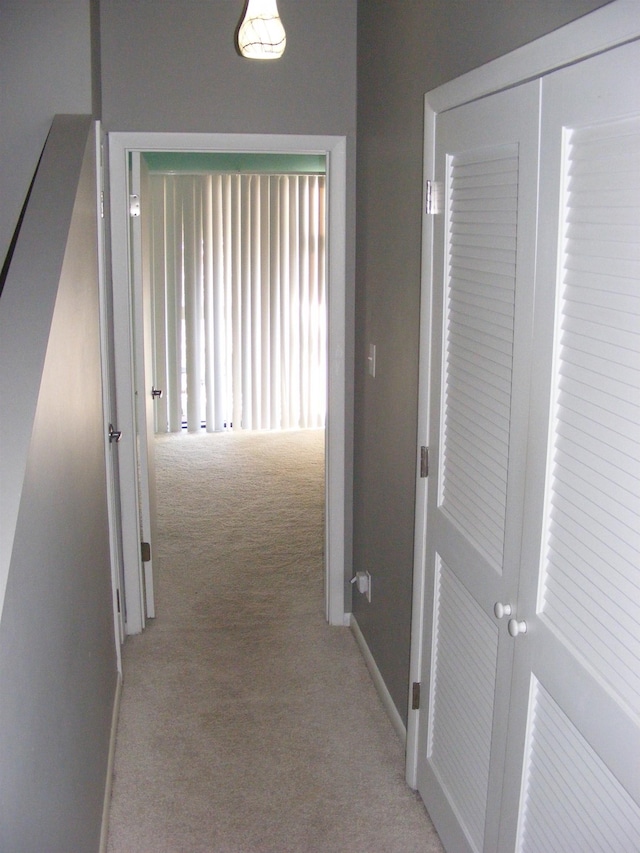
{"x": 134, "y": 205}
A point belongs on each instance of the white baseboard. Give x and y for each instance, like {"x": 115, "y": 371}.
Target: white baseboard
{"x": 381, "y": 687}
{"x": 104, "y": 832}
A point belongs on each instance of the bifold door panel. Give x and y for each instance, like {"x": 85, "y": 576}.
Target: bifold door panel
{"x": 487, "y": 162}
{"x": 576, "y": 677}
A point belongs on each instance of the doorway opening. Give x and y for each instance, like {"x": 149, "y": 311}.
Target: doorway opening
{"x": 125, "y": 150}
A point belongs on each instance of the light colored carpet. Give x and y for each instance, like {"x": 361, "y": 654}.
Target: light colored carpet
{"x": 247, "y": 723}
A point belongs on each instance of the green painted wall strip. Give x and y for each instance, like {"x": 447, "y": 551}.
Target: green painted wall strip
{"x": 199, "y": 162}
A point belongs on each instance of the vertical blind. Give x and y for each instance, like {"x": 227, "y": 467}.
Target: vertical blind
{"x": 238, "y": 282}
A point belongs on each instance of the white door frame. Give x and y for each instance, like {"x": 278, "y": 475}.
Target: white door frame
{"x": 334, "y": 148}
{"x": 594, "y": 33}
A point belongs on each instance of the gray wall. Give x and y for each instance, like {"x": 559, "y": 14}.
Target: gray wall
{"x": 405, "y": 49}
{"x": 58, "y": 670}
{"x": 45, "y": 68}
{"x": 171, "y": 65}
{"x": 57, "y": 648}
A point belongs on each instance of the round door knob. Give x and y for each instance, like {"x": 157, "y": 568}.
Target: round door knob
{"x": 501, "y": 609}
{"x": 516, "y": 627}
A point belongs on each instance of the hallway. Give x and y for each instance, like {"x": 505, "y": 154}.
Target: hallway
{"x": 247, "y": 723}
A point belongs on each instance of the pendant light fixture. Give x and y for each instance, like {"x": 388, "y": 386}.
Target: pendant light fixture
{"x": 261, "y": 34}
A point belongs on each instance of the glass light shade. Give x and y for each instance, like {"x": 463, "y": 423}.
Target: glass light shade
{"x": 261, "y": 34}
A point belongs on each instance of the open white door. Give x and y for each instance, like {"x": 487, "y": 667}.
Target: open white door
{"x": 110, "y": 415}
{"x": 146, "y": 394}
{"x": 129, "y": 239}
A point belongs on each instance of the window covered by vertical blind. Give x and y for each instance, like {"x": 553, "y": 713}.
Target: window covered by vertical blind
{"x": 239, "y": 289}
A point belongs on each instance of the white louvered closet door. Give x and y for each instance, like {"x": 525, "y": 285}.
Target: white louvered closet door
{"x": 575, "y": 708}
{"x": 486, "y": 160}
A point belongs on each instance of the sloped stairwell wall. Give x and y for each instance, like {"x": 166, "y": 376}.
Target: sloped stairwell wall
{"x": 58, "y": 672}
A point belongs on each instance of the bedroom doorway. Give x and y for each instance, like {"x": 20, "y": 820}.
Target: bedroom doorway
{"x": 135, "y": 389}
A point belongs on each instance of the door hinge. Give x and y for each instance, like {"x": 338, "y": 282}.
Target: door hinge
{"x": 102, "y": 205}
{"x": 415, "y": 696}
{"x": 145, "y": 551}
{"x": 134, "y": 205}
{"x": 118, "y": 599}
{"x": 431, "y": 196}
{"x": 424, "y": 461}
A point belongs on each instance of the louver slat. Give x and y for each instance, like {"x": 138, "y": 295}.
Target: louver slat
{"x": 466, "y": 646}
{"x": 595, "y": 482}
{"x": 572, "y": 800}
{"x": 479, "y": 345}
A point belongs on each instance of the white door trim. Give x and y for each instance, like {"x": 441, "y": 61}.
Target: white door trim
{"x": 594, "y": 33}
{"x": 334, "y": 147}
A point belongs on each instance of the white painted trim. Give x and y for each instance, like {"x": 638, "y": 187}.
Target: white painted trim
{"x": 336, "y": 384}
{"x": 378, "y": 681}
{"x": 125, "y": 390}
{"x": 594, "y": 33}
{"x": 108, "y": 787}
{"x": 334, "y": 148}
{"x": 420, "y": 525}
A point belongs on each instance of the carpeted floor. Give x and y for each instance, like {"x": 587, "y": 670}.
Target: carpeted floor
{"x": 247, "y": 724}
